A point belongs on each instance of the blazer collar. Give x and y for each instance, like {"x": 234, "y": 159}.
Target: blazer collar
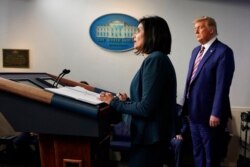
{"x": 206, "y": 56}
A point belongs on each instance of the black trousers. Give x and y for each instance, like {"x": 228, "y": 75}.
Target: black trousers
{"x": 148, "y": 155}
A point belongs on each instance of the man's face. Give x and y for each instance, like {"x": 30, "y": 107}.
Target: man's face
{"x": 202, "y": 32}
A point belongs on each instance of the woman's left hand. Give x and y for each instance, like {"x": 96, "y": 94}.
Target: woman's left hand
{"x": 106, "y": 97}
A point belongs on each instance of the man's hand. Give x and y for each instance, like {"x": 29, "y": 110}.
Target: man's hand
{"x": 214, "y": 121}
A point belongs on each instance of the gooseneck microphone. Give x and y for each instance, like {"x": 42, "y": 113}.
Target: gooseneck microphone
{"x": 60, "y": 76}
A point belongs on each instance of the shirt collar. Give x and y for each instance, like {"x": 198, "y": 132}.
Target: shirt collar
{"x": 209, "y": 43}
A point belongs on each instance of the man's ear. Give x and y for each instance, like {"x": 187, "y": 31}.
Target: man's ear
{"x": 211, "y": 30}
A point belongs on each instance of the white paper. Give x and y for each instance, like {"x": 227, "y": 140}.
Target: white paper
{"x": 78, "y": 93}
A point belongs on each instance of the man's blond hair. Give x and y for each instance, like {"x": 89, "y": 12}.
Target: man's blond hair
{"x": 210, "y": 22}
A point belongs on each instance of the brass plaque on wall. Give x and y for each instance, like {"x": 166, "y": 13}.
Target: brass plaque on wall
{"x": 16, "y": 58}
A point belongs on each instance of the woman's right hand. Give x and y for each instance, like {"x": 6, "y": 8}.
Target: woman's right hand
{"x": 122, "y": 96}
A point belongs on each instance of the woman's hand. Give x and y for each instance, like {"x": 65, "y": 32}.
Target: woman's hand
{"x": 123, "y": 96}
{"x": 106, "y": 97}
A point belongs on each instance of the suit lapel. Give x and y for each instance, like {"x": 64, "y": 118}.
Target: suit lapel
{"x": 205, "y": 58}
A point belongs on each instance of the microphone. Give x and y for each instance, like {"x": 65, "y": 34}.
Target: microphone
{"x": 60, "y": 76}
{"x": 64, "y": 72}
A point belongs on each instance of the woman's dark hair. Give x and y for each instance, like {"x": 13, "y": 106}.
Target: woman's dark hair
{"x": 157, "y": 36}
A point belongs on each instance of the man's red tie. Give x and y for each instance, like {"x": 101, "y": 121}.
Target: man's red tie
{"x": 197, "y": 62}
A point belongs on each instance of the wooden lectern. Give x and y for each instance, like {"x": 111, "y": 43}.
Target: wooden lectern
{"x": 71, "y": 132}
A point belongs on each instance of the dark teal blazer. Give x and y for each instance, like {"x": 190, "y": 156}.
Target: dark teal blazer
{"x": 152, "y": 101}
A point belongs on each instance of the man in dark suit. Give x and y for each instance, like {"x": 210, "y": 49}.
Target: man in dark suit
{"x": 207, "y": 93}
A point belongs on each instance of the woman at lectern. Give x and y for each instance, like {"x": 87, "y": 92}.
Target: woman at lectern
{"x": 152, "y": 99}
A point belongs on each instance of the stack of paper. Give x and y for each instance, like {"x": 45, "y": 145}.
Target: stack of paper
{"x": 78, "y": 93}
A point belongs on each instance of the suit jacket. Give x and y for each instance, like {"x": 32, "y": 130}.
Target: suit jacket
{"x": 209, "y": 90}
{"x": 152, "y": 100}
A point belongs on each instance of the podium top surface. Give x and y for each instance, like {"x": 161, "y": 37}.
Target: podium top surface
{"x": 27, "y": 112}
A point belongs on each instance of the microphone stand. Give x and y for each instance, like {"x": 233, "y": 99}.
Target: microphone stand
{"x": 56, "y": 80}
{"x": 59, "y": 80}
{"x": 60, "y": 76}
{"x": 65, "y": 71}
